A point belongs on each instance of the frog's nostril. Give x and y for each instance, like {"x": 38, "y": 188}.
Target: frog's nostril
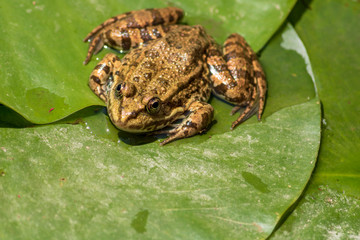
{"x": 128, "y": 89}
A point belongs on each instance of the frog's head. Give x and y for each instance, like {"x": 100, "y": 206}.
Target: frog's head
{"x": 134, "y": 111}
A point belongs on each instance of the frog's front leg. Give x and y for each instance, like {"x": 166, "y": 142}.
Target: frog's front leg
{"x": 199, "y": 116}
{"x": 132, "y": 29}
{"x": 102, "y": 76}
{"x": 237, "y": 77}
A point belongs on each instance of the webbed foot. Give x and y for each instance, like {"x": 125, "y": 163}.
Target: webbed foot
{"x": 199, "y": 117}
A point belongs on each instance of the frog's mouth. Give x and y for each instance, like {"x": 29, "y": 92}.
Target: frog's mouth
{"x": 127, "y": 121}
{"x": 142, "y": 122}
{"x": 135, "y": 121}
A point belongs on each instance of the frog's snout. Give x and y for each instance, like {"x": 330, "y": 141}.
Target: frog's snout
{"x": 128, "y": 89}
{"x": 126, "y": 121}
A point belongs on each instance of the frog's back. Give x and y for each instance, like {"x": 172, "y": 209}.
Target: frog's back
{"x": 172, "y": 68}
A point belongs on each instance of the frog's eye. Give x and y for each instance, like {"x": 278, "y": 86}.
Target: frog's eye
{"x": 118, "y": 93}
{"x": 153, "y": 106}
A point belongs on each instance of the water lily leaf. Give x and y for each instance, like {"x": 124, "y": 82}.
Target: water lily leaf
{"x": 236, "y": 183}
{"x": 323, "y": 207}
{"x": 70, "y": 181}
{"x": 330, "y": 208}
{"x": 41, "y": 48}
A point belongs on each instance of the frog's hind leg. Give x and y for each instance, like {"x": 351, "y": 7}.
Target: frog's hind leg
{"x": 237, "y": 77}
{"x": 126, "y": 39}
{"x": 132, "y": 29}
{"x": 102, "y": 76}
{"x": 198, "y": 117}
{"x": 105, "y": 24}
{"x": 95, "y": 46}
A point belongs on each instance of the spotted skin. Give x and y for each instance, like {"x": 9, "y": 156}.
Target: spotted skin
{"x": 131, "y": 29}
{"x": 238, "y": 77}
{"x": 102, "y": 73}
{"x": 176, "y": 67}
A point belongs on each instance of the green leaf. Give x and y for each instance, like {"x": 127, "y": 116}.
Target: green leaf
{"x": 75, "y": 181}
{"x": 323, "y": 213}
{"x": 41, "y": 46}
{"x": 330, "y": 208}
{"x": 60, "y": 179}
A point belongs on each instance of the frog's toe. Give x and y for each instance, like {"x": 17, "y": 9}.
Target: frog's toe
{"x": 95, "y": 46}
{"x": 188, "y": 129}
{"x": 235, "y": 109}
{"x": 172, "y": 137}
{"x": 249, "y": 111}
{"x": 201, "y": 115}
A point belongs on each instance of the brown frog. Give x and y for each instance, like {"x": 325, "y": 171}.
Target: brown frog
{"x": 169, "y": 73}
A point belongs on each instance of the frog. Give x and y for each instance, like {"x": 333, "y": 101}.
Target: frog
{"x": 163, "y": 83}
